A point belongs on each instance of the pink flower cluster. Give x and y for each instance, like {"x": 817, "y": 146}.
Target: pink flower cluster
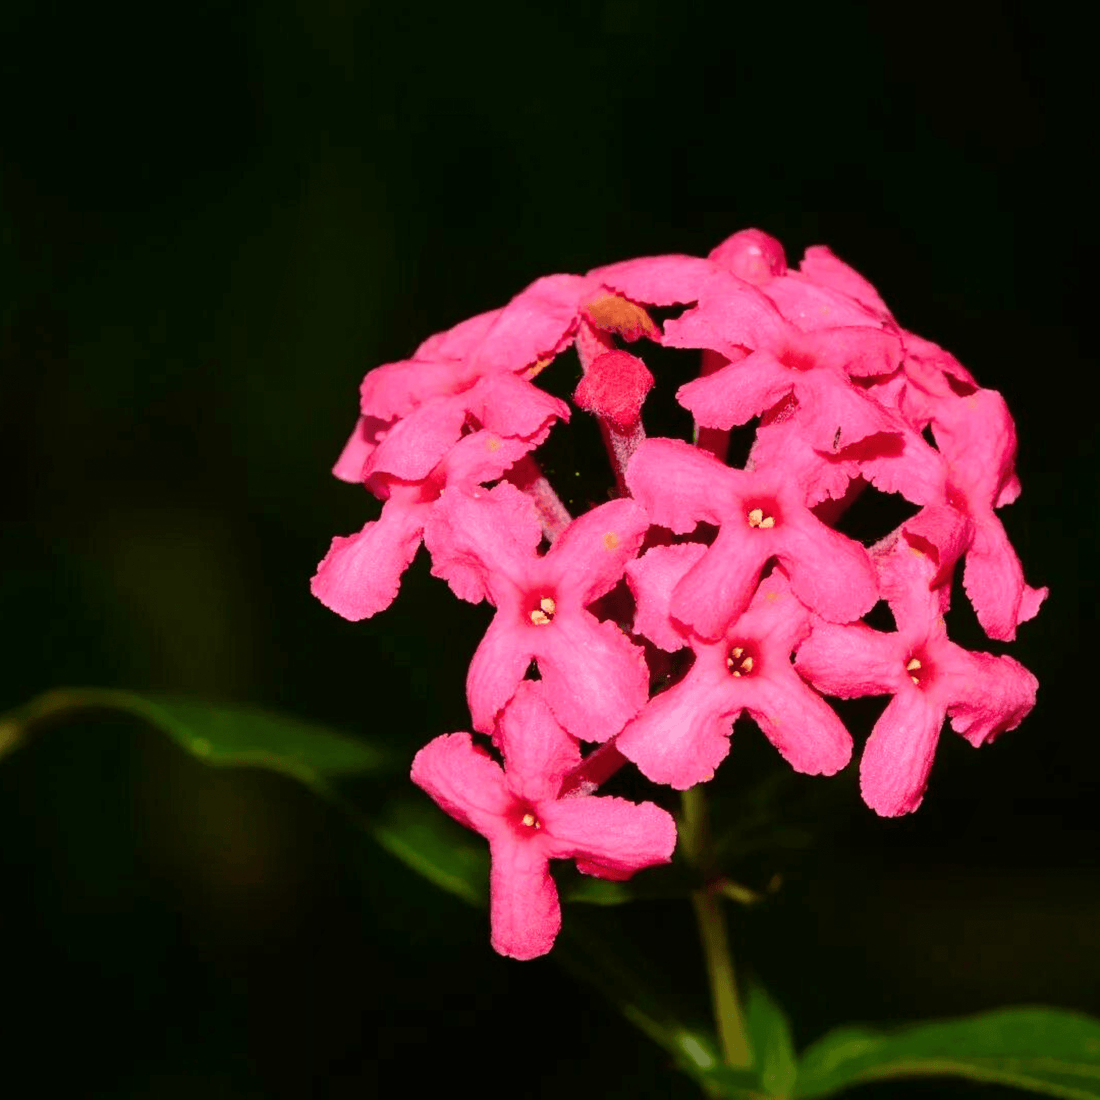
{"x": 736, "y": 572}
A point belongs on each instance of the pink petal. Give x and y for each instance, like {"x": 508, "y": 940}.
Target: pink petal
{"x": 395, "y": 389}
{"x": 737, "y": 392}
{"x": 523, "y": 900}
{"x": 858, "y": 350}
{"x": 655, "y": 280}
{"x": 730, "y": 315}
{"x": 361, "y": 443}
{"x": 718, "y": 588}
{"x": 536, "y": 323}
{"x": 360, "y": 574}
{"x": 481, "y": 542}
{"x": 820, "y": 266}
{"x": 511, "y": 405}
{"x": 652, "y": 577}
{"x": 596, "y": 678}
{"x": 897, "y": 758}
{"x": 590, "y": 555}
{"x": 496, "y": 670}
{"x": 464, "y": 781}
{"x": 799, "y": 723}
{"x": 610, "y": 834}
{"x": 849, "y": 661}
{"x": 679, "y": 485}
{"x": 813, "y": 307}
{"x": 994, "y": 582}
{"x": 538, "y": 753}
{"x": 683, "y": 734}
{"x": 414, "y": 446}
{"x": 830, "y": 573}
{"x": 988, "y": 695}
{"x": 480, "y": 457}
{"x": 457, "y": 342}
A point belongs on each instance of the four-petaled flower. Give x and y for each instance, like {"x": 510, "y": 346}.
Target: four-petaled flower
{"x": 519, "y": 809}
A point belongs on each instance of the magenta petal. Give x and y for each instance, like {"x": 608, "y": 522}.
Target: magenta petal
{"x": 683, "y": 734}
{"x": 538, "y": 753}
{"x": 360, "y": 574}
{"x": 718, "y": 588}
{"x": 414, "y": 446}
{"x": 737, "y": 392}
{"x": 849, "y": 661}
{"x": 679, "y": 485}
{"x": 589, "y": 556}
{"x": 457, "y": 342}
{"x": 821, "y": 266}
{"x": 596, "y": 678}
{"x": 395, "y": 389}
{"x": 988, "y": 695}
{"x": 800, "y": 724}
{"x": 829, "y": 572}
{"x": 511, "y": 405}
{"x": 752, "y": 255}
{"x": 655, "y": 280}
{"x": 730, "y": 315}
{"x": 464, "y": 781}
{"x": 813, "y": 307}
{"x": 994, "y": 582}
{"x": 537, "y": 322}
{"x": 897, "y": 758}
{"x": 523, "y": 900}
{"x": 480, "y": 457}
{"x": 652, "y": 578}
{"x": 620, "y": 837}
{"x": 496, "y": 670}
{"x": 860, "y": 351}
{"x": 359, "y": 447}
{"x": 481, "y": 541}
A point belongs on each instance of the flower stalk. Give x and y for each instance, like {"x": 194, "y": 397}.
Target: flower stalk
{"x": 728, "y": 1014}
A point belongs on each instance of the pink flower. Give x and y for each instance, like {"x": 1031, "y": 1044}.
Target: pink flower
{"x": 520, "y": 811}
{"x": 813, "y": 365}
{"x": 760, "y": 515}
{"x": 929, "y": 676}
{"x": 361, "y": 573}
{"x": 977, "y": 438}
{"x": 683, "y": 734}
{"x": 485, "y": 547}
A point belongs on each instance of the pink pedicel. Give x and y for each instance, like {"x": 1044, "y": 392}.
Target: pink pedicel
{"x": 644, "y": 625}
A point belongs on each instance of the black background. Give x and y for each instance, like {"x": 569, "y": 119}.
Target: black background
{"x": 215, "y": 218}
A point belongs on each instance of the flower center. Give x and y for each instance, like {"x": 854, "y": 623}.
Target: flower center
{"x": 542, "y": 614}
{"x": 758, "y": 517}
{"x": 741, "y": 661}
{"x": 530, "y": 821}
{"x": 918, "y": 670}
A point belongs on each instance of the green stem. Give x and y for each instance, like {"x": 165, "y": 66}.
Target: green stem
{"x": 730, "y": 1020}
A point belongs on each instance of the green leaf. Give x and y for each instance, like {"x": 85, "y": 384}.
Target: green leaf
{"x": 774, "y": 1060}
{"x": 224, "y": 736}
{"x": 422, "y": 836}
{"x": 1042, "y": 1050}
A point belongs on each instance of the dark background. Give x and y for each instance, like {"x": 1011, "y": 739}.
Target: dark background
{"x": 215, "y": 218}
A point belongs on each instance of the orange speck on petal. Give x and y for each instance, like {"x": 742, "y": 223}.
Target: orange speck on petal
{"x": 611, "y": 540}
{"x": 493, "y": 444}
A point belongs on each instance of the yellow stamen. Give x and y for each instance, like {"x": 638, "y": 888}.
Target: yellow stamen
{"x": 756, "y": 517}
{"x": 531, "y": 821}
{"x": 915, "y": 680}
{"x": 736, "y": 651}
{"x": 914, "y": 663}
{"x": 539, "y": 618}
{"x": 548, "y": 605}
{"x": 746, "y": 664}
{"x": 768, "y": 521}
